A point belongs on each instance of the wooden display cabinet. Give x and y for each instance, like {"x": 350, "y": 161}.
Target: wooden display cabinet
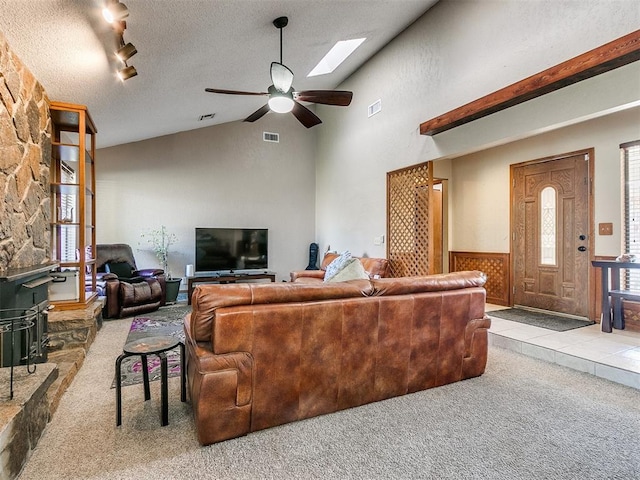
{"x": 73, "y": 235}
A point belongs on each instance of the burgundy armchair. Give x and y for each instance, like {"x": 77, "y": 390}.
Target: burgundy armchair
{"x": 128, "y": 291}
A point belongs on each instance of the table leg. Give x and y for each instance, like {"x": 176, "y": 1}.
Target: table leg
{"x": 618, "y": 322}
{"x": 119, "y": 389}
{"x": 189, "y": 290}
{"x": 605, "y": 322}
{"x": 164, "y": 390}
{"x": 183, "y": 375}
{"x": 145, "y": 377}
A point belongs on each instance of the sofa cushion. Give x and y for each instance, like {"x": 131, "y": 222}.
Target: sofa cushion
{"x": 207, "y": 298}
{"x": 429, "y": 283}
{"x": 351, "y": 270}
{"x": 336, "y": 265}
{"x": 327, "y": 259}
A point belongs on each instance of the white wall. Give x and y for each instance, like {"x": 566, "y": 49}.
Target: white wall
{"x": 480, "y": 188}
{"x": 457, "y": 52}
{"x": 222, "y": 176}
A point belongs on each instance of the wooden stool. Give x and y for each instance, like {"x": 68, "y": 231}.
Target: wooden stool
{"x": 151, "y": 346}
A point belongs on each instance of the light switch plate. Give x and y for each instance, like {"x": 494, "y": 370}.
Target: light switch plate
{"x": 605, "y": 228}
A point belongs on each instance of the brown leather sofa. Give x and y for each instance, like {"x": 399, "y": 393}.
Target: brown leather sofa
{"x": 261, "y": 355}
{"x": 375, "y": 267}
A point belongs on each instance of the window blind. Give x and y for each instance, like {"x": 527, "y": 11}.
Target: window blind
{"x": 631, "y": 172}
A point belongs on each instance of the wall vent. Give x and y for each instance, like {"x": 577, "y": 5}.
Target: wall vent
{"x": 374, "y": 108}
{"x": 271, "y": 137}
{"x": 208, "y": 116}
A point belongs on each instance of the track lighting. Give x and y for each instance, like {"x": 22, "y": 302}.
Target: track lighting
{"x": 127, "y": 51}
{"x": 115, "y": 11}
{"x": 127, "y": 72}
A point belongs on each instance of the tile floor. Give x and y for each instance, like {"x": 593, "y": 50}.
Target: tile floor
{"x": 614, "y": 356}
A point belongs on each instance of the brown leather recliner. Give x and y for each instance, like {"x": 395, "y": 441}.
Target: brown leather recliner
{"x": 128, "y": 291}
{"x": 375, "y": 267}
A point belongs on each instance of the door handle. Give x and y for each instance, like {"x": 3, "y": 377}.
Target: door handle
{"x": 582, "y": 248}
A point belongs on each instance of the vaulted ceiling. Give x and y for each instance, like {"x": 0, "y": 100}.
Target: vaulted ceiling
{"x": 185, "y": 46}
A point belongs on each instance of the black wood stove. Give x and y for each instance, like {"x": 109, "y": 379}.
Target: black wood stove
{"x": 24, "y": 303}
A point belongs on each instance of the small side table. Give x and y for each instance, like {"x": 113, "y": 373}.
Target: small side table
{"x": 151, "y": 346}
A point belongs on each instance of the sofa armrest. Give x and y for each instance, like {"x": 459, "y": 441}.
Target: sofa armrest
{"x": 476, "y": 347}
{"x": 307, "y": 273}
{"x": 148, "y": 272}
{"x": 111, "y": 291}
{"x": 220, "y": 387}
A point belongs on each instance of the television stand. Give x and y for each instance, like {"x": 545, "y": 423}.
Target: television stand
{"x": 225, "y": 278}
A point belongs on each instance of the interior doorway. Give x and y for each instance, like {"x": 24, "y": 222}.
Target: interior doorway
{"x": 552, "y": 233}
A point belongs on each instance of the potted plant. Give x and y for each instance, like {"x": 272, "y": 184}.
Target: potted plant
{"x": 160, "y": 240}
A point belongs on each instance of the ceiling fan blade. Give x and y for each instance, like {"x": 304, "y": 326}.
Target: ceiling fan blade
{"x": 261, "y": 112}
{"x": 233, "y": 92}
{"x": 281, "y": 77}
{"x": 305, "y": 116}
{"x": 341, "y": 98}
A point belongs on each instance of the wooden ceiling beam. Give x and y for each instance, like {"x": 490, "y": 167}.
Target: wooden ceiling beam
{"x": 609, "y": 56}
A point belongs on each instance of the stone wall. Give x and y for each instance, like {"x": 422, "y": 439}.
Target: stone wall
{"x": 25, "y": 153}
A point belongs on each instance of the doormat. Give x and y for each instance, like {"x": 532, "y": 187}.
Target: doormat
{"x": 539, "y": 319}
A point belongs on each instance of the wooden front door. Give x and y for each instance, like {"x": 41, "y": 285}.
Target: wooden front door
{"x": 551, "y": 234}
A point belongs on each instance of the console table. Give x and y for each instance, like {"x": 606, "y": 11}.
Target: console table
{"x": 225, "y": 278}
{"x": 611, "y": 294}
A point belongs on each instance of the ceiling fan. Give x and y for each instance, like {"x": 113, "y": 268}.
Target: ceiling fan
{"x": 283, "y": 98}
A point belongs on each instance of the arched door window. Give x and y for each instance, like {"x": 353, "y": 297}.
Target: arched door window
{"x": 548, "y": 216}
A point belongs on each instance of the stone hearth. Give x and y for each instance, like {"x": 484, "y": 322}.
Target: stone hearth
{"x": 23, "y": 418}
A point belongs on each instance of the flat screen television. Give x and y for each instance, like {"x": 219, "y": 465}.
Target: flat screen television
{"x": 221, "y": 249}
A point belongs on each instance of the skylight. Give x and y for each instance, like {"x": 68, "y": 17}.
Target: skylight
{"x": 338, "y": 54}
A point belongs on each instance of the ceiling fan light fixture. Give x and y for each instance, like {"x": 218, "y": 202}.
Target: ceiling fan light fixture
{"x": 114, "y": 12}
{"x": 281, "y": 104}
{"x": 127, "y": 51}
{"x": 127, "y": 72}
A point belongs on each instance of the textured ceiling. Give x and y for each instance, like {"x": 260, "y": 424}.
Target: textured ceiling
{"x": 185, "y": 46}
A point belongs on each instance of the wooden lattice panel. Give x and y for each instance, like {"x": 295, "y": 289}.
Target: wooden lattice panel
{"x": 408, "y": 220}
{"x": 494, "y": 265}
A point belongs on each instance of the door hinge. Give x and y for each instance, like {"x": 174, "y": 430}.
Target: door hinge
{"x": 586, "y": 157}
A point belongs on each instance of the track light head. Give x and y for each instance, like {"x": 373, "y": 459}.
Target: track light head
{"x": 125, "y": 52}
{"x": 127, "y": 72}
{"x": 115, "y": 12}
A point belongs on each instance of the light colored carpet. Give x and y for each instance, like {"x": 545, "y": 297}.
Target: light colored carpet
{"x": 523, "y": 419}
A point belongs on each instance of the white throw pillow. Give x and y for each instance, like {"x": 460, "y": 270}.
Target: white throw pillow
{"x": 336, "y": 265}
{"x": 352, "y": 270}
